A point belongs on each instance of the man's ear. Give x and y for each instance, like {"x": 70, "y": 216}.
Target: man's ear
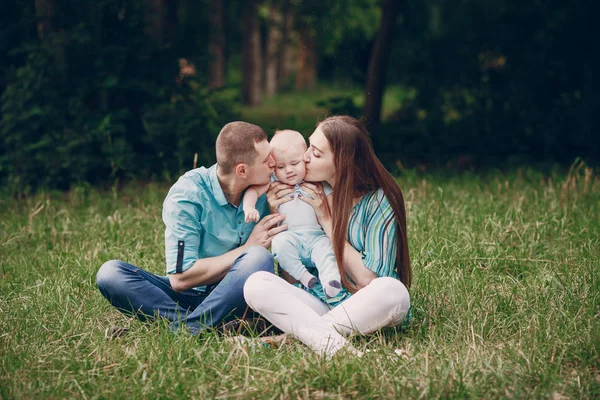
{"x": 241, "y": 170}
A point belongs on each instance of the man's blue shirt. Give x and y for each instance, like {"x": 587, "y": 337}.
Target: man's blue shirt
{"x": 200, "y": 222}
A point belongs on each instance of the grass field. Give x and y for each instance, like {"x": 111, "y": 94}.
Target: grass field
{"x": 506, "y": 299}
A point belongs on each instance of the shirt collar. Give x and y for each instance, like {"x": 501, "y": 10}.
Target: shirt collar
{"x": 216, "y": 187}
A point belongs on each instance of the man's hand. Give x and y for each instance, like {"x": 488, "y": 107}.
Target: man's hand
{"x": 251, "y": 215}
{"x": 265, "y": 230}
{"x": 278, "y": 194}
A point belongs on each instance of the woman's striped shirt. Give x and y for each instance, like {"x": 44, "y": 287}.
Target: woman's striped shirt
{"x": 372, "y": 232}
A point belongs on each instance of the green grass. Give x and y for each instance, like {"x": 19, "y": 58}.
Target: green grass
{"x": 506, "y": 299}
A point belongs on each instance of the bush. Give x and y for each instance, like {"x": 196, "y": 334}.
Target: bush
{"x": 496, "y": 82}
{"x": 340, "y": 105}
{"x": 97, "y": 101}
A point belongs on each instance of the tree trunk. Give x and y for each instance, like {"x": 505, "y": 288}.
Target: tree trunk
{"x": 306, "y": 77}
{"x": 50, "y": 33}
{"x": 378, "y": 62}
{"x": 217, "y": 45}
{"x": 161, "y": 20}
{"x": 154, "y": 19}
{"x": 272, "y": 49}
{"x": 44, "y": 15}
{"x": 227, "y": 21}
{"x": 171, "y": 22}
{"x": 283, "y": 67}
{"x": 251, "y": 61}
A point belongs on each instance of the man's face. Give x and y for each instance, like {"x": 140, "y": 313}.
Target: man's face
{"x": 289, "y": 166}
{"x": 260, "y": 172}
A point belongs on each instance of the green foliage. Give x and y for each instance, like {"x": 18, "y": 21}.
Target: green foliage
{"x": 96, "y": 97}
{"x": 341, "y": 105}
{"x": 344, "y": 32}
{"x": 98, "y": 100}
{"x": 186, "y": 125}
{"x": 32, "y": 120}
{"x": 303, "y": 110}
{"x": 496, "y": 81}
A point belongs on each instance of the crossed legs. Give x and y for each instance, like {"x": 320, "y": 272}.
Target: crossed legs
{"x": 134, "y": 291}
{"x": 384, "y": 302}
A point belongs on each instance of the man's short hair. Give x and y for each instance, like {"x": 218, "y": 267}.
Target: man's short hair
{"x": 235, "y": 144}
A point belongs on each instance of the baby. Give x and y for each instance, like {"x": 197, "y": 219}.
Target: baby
{"x": 304, "y": 242}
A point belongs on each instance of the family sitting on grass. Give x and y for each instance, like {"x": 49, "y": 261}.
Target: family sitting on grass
{"x": 332, "y": 215}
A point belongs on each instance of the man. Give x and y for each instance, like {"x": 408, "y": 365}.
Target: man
{"x": 210, "y": 249}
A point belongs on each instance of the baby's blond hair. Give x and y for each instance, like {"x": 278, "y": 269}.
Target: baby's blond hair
{"x": 286, "y": 137}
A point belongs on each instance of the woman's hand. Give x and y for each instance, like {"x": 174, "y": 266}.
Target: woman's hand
{"x": 318, "y": 202}
{"x": 278, "y": 194}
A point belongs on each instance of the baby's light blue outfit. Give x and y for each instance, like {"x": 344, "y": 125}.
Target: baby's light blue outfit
{"x": 304, "y": 243}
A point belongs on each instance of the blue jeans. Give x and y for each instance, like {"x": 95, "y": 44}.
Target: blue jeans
{"x": 134, "y": 291}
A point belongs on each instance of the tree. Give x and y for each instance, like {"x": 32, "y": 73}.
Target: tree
{"x": 306, "y": 77}
{"x": 251, "y": 54}
{"x": 217, "y": 45}
{"x": 283, "y": 67}
{"x": 161, "y": 20}
{"x": 44, "y": 15}
{"x": 274, "y": 36}
{"x": 49, "y": 33}
{"x": 378, "y": 62}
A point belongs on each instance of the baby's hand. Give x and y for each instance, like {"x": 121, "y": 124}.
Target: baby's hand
{"x": 251, "y": 214}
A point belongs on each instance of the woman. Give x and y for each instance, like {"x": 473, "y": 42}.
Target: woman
{"x": 366, "y": 222}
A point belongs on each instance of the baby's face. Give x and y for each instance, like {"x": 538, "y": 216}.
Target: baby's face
{"x": 289, "y": 166}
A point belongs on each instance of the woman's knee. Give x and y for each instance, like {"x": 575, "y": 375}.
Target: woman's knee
{"x": 394, "y": 293}
{"x": 255, "y": 290}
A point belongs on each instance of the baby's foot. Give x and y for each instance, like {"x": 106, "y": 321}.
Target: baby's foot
{"x": 332, "y": 288}
{"x": 308, "y": 279}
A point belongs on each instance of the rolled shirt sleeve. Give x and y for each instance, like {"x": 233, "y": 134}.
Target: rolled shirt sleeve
{"x": 183, "y": 232}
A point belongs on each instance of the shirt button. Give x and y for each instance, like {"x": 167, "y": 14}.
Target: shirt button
{"x": 239, "y": 222}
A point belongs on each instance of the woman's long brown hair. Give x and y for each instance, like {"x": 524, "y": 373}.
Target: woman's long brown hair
{"x": 359, "y": 172}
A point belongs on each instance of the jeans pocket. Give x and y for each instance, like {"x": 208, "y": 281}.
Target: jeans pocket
{"x": 193, "y": 293}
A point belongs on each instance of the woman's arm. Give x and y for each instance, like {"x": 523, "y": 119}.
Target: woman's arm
{"x": 353, "y": 263}
{"x": 355, "y": 268}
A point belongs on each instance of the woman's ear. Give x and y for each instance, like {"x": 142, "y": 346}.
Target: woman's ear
{"x": 241, "y": 170}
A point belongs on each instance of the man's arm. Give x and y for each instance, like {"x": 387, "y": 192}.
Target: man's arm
{"x": 212, "y": 269}
{"x": 205, "y": 271}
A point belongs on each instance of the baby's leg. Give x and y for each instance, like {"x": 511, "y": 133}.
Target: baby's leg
{"x": 286, "y": 250}
{"x": 324, "y": 259}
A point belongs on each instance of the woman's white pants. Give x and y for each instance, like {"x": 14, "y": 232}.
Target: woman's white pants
{"x": 384, "y": 302}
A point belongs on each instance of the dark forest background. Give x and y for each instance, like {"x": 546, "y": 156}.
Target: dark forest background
{"x": 105, "y": 90}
